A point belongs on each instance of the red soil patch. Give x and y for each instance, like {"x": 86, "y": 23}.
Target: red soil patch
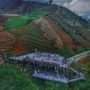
{"x": 19, "y": 48}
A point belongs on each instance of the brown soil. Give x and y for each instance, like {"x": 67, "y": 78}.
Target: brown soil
{"x": 49, "y": 31}
{"x": 19, "y": 48}
{"x": 6, "y": 41}
{"x": 63, "y": 35}
{"x": 86, "y": 35}
{"x": 84, "y": 60}
{"x": 84, "y": 63}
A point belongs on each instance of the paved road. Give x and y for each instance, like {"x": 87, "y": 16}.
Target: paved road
{"x": 76, "y": 58}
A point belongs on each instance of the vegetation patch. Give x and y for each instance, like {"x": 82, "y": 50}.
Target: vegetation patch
{"x": 13, "y": 78}
{"x": 22, "y": 20}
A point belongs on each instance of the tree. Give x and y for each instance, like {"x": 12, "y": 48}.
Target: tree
{"x": 65, "y": 51}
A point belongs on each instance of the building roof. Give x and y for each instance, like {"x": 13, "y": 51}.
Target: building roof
{"x": 45, "y": 57}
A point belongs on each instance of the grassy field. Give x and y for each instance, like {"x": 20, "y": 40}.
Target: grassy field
{"x": 13, "y": 78}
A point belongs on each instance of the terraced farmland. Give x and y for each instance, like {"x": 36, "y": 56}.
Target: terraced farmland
{"x": 49, "y": 31}
{"x": 6, "y": 41}
{"x": 66, "y": 39}
{"x": 28, "y": 37}
{"x": 72, "y": 25}
{"x": 32, "y": 37}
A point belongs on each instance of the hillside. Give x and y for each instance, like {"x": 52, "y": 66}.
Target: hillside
{"x": 47, "y": 27}
{"x": 32, "y": 37}
{"x": 28, "y": 36}
{"x": 72, "y": 24}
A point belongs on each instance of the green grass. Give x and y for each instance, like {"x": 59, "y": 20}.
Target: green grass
{"x": 65, "y": 51}
{"x": 12, "y": 78}
{"x": 15, "y": 22}
{"x": 36, "y": 15}
{"x": 22, "y": 20}
{"x": 85, "y": 85}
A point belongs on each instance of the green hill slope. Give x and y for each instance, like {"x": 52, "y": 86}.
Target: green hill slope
{"x": 22, "y": 20}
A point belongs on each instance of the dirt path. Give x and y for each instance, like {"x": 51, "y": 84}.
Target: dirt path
{"x": 60, "y": 32}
